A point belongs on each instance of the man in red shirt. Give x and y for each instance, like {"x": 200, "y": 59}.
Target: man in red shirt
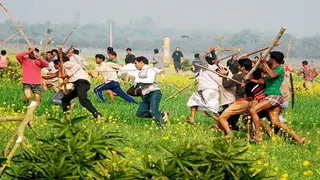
{"x": 309, "y": 73}
{"x": 31, "y": 63}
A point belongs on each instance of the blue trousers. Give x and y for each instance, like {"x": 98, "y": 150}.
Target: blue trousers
{"x": 115, "y": 87}
{"x": 149, "y": 107}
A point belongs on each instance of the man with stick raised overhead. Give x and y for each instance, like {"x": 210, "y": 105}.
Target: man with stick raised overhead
{"x": 274, "y": 99}
{"x": 31, "y": 63}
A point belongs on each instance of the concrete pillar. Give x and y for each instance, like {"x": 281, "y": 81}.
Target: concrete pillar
{"x": 166, "y": 51}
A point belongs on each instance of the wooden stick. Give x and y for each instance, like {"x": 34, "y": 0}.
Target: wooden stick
{"x": 12, "y": 36}
{"x": 266, "y": 53}
{"x": 28, "y": 118}
{"x": 18, "y": 26}
{"x": 7, "y": 148}
{"x": 288, "y": 51}
{"x": 178, "y": 92}
{"x": 218, "y": 73}
{"x": 256, "y": 51}
{"x": 11, "y": 118}
{"x": 229, "y": 56}
{"x": 61, "y": 63}
{"x": 67, "y": 38}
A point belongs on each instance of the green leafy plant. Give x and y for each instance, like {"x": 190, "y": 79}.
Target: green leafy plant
{"x": 74, "y": 152}
{"x": 186, "y": 65}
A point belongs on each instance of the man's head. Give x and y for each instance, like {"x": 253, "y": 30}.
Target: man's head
{"x": 140, "y": 62}
{"x": 209, "y": 60}
{"x": 197, "y": 56}
{"x": 54, "y": 52}
{"x": 276, "y": 58}
{"x": 245, "y": 65}
{"x": 234, "y": 57}
{"x": 177, "y": 49}
{"x": 129, "y": 50}
{"x": 56, "y": 64}
{"x": 256, "y": 58}
{"x": 109, "y": 50}
{"x": 305, "y": 63}
{"x": 49, "y": 55}
{"x": 3, "y": 52}
{"x": 156, "y": 51}
{"x": 76, "y": 51}
{"x": 100, "y": 58}
{"x": 34, "y": 54}
{"x": 113, "y": 56}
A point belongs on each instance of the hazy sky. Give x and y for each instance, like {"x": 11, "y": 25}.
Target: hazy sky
{"x": 299, "y": 16}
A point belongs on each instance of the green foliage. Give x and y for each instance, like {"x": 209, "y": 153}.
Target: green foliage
{"x": 186, "y": 65}
{"x": 72, "y": 152}
{"x": 12, "y": 73}
{"x": 220, "y": 159}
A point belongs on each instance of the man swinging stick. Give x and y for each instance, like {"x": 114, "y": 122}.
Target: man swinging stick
{"x": 274, "y": 99}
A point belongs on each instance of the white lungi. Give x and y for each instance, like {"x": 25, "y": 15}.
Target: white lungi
{"x": 209, "y": 102}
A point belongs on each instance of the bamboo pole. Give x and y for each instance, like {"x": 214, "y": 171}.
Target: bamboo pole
{"x": 12, "y": 36}
{"x": 11, "y": 140}
{"x": 178, "y": 92}
{"x": 288, "y": 51}
{"x": 256, "y": 51}
{"x": 11, "y": 118}
{"x": 218, "y": 73}
{"x": 27, "y": 119}
{"x": 229, "y": 56}
{"x": 266, "y": 53}
{"x": 18, "y": 26}
{"x": 67, "y": 38}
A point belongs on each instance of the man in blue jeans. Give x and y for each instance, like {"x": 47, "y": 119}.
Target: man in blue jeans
{"x": 109, "y": 72}
{"x": 147, "y": 81}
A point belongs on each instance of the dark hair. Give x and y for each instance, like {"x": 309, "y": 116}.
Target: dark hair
{"x": 197, "y": 55}
{"x": 55, "y": 50}
{"x": 256, "y": 57}
{"x": 55, "y": 62}
{"x": 156, "y": 51}
{"x": 209, "y": 60}
{"x": 304, "y": 62}
{"x": 257, "y": 73}
{"x": 100, "y": 56}
{"x": 113, "y": 53}
{"x": 128, "y": 49}
{"x": 36, "y": 49}
{"x": 3, "y": 52}
{"x": 277, "y": 56}
{"x": 142, "y": 59}
{"x": 110, "y": 49}
{"x": 246, "y": 63}
{"x": 76, "y": 51}
{"x": 49, "y": 52}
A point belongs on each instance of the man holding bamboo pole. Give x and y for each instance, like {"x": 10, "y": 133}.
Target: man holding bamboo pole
{"x": 274, "y": 99}
{"x": 31, "y": 63}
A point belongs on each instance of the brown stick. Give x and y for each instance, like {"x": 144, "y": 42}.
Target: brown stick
{"x": 18, "y": 26}
{"x": 11, "y": 118}
{"x": 12, "y": 36}
{"x": 256, "y": 51}
{"x": 7, "y": 148}
{"x": 218, "y": 73}
{"x": 178, "y": 92}
{"x": 229, "y": 56}
{"x": 28, "y": 118}
{"x": 67, "y": 38}
{"x": 288, "y": 51}
{"x": 266, "y": 53}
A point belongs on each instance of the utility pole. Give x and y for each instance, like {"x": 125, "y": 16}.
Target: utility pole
{"x": 110, "y": 34}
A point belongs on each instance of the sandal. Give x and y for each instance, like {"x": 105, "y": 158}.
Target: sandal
{"x": 191, "y": 122}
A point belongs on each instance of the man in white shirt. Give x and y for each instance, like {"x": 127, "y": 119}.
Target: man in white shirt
{"x": 147, "y": 81}
{"x": 109, "y": 72}
{"x": 76, "y": 75}
{"x": 207, "y": 97}
{"x": 50, "y": 69}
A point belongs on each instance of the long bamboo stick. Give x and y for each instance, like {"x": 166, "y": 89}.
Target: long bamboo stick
{"x": 218, "y": 73}
{"x": 18, "y": 26}
{"x": 67, "y": 38}
{"x": 226, "y": 57}
{"x": 12, "y": 36}
{"x": 11, "y": 118}
{"x": 256, "y": 51}
{"x": 178, "y": 92}
{"x": 266, "y": 53}
{"x": 28, "y": 118}
{"x": 288, "y": 51}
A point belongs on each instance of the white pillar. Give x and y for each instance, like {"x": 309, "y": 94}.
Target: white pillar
{"x": 166, "y": 51}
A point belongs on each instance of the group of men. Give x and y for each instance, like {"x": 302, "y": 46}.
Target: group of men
{"x": 68, "y": 75}
{"x": 264, "y": 93}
